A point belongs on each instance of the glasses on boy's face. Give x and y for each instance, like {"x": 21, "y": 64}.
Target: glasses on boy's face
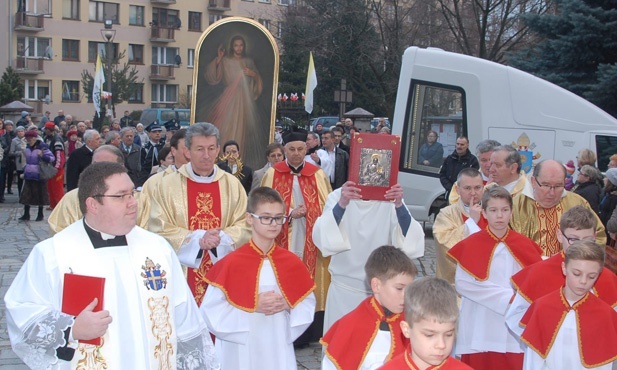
{"x": 573, "y": 240}
{"x": 268, "y": 220}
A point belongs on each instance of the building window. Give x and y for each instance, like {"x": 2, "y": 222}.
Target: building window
{"x": 191, "y": 59}
{"x": 279, "y": 29}
{"x": 287, "y": 2}
{"x": 194, "y": 21}
{"x": 163, "y": 55}
{"x": 168, "y": 18}
{"x": 37, "y": 6}
{"x": 70, "y": 9}
{"x": 138, "y": 95}
{"x": 264, "y": 1}
{"x": 136, "y": 54}
{"x": 136, "y": 15}
{"x": 101, "y": 11}
{"x": 99, "y": 48}
{"x": 34, "y": 47}
{"x": 189, "y": 92}
{"x": 215, "y": 17}
{"x": 265, "y": 23}
{"x": 164, "y": 93}
{"x": 36, "y": 89}
{"x": 70, "y": 91}
{"x": 70, "y": 50}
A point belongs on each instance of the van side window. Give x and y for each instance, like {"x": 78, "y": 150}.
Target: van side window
{"x": 436, "y": 117}
{"x": 606, "y": 146}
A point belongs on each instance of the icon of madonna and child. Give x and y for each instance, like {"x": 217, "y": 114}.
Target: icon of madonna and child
{"x": 237, "y": 73}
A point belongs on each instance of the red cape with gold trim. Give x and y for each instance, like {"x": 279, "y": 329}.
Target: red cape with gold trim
{"x": 596, "y": 326}
{"x": 350, "y": 338}
{"x": 546, "y": 276}
{"x": 237, "y": 275}
{"x": 404, "y": 361}
{"x": 475, "y": 253}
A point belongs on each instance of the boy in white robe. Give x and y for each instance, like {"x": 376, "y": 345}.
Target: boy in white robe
{"x": 149, "y": 318}
{"x": 260, "y": 297}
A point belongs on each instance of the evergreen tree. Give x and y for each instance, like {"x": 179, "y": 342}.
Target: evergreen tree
{"x": 577, "y": 51}
{"x": 11, "y": 88}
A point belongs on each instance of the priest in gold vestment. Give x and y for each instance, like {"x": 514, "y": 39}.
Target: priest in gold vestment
{"x": 459, "y": 220}
{"x": 200, "y": 209}
{"x": 537, "y": 210}
{"x": 304, "y": 188}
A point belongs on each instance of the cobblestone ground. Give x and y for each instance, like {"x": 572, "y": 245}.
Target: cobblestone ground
{"x": 17, "y": 239}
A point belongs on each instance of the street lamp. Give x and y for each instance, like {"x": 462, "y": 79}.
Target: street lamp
{"x": 108, "y": 35}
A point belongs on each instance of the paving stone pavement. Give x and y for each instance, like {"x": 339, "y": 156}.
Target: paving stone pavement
{"x": 17, "y": 239}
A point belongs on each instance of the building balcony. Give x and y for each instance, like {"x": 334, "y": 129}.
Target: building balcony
{"x": 162, "y": 72}
{"x": 219, "y": 5}
{"x": 162, "y": 2}
{"x": 162, "y": 34}
{"x": 29, "y": 22}
{"x": 30, "y": 66}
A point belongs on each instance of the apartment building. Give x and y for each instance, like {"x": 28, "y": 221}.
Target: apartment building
{"x": 50, "y": 43}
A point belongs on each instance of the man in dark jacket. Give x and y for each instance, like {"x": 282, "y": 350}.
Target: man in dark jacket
{"x": 131, "y": 153}
{"x": 339, "y": 157}
{"x": 150, "y": 152}
{"x": 81, "y": 158}
{"x": 126, "y": 121}
{"x": 455, "y": 162}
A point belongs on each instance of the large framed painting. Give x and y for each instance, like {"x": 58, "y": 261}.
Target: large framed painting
{"x": 373, "y": 163}
{"x": 235, "y": 82}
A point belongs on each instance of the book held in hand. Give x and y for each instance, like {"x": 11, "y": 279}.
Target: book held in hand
{"x": 78, "y": 292}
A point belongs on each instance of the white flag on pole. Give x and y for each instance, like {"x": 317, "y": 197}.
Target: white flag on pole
{"x": 99, "y": 81}
{"x": 311, "y": 83}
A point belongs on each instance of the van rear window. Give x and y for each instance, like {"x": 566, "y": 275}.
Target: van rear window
{"x": 606, "y": 146}
{"x": 435, "y": 118}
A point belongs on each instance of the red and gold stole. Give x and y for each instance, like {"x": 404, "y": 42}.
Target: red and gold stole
{"x": 238, "y": 276}
{"x": 475, "y": 253}
{"x": 548, "y": 222}
{"x": 204, "y": 212}
{"x": 350, "y": 338}
{"x": 596, "y": 326}
{"x": 283, "y": 183}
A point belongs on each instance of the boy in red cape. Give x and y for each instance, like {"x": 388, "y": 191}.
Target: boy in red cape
{"x": 539, "y": 279}
{"x": 431, "y": 313}
{"x": 570, "y": 328}
{"x": 370, "y": 335}
{"x": 486, "y": 261}
{"x": 260, "y": 297}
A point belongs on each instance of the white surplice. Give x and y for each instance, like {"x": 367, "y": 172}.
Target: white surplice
{"x": 482, "y": 325}
{"x": 142, "y": 318}
{"x": 246, "y": 340}
{"x": 365, "y": 226}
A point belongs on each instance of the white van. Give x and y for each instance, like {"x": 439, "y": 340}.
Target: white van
{"x": 455, "y": 94}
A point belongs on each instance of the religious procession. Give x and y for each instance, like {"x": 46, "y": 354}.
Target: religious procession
{"x": 170, "y": 251}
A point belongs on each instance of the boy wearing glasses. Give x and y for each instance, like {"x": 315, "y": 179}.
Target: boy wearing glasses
{"x": 260, "y": 297}
{"x": 535, "y": 281}
{"x": 486, "y": 261}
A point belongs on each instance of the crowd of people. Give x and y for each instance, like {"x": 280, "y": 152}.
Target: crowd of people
{"x": 194, "y": 245}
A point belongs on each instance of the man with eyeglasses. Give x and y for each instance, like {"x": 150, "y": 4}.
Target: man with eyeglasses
{"x": 537, "y": 210}
{"x": 200, "y": 208}
{"x": 576, "y": 225}
{"x": 458, "y": 220}
{"x": 145, "y": 302}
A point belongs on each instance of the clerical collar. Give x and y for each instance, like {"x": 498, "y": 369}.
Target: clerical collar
{"x": 100, "y": 239}
{"x": 295, "y": 170}
{"x": 198, "y": 178}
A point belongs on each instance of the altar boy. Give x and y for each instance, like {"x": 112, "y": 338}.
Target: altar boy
{"x": 486, "y": 261}
{"x": 260, "y": 297}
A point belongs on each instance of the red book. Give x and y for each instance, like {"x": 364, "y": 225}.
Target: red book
{"x": 373, "y": 163}
{"x": 79, "y": 291}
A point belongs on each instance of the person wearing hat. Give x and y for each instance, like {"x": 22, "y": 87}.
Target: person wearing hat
{"x": 72, "y": 143}
{"x": 18, "y": 155}
{"x": 609, "y": 200}
{"x": 55, "y": 185}
{"x": 150, "y": 152}
{"x": 24, "y": 121}
{"x": 304, "y": 188}
{"x": 35, "y": 190}
{"x": 170, "y": 127}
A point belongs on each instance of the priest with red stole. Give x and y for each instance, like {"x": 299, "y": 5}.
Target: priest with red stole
{"x": 304, "y": 188}
{"x": 486, "y": 261}
{"x": 200, "y": 208}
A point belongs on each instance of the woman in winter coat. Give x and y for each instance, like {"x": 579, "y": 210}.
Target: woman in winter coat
{"x": 18, "y": 154}
{"x": 589, "y": 186}
{"x": 35, "y": 189}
